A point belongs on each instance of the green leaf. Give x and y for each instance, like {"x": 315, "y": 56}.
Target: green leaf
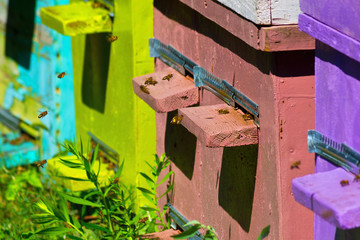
{"x": 80, "y": 201}
{"x": 71, "y": 164}
{"x": 73, "y": 237}
{"x": 167, "y": 190}
{"x": 54, "y": 231}
{"x": 147, "y": 177}
{"x": 73, "y": 178}
{"x": 108, "y": 190}
{"x": 145, "y": 191}
{"x": 75, "y": 222}
{"x": 119, "y": 171}
{"x": 264, "y": 233}
{"x": 34, "y": 179}
{"x": 150, "y": 209}
{"x": 152, "y": 167}
{"x": 95, "y": 227}
{"x": 61, "y": 154}
{"x": 156, "y": 159}
{"x": 165, "y": 178}
{"x": 94, "y": 155}
{"x": 187, "y": 233}
{"x": 43, "y": 218}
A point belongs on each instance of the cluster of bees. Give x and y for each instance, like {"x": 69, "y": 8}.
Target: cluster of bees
{"x": 151, "y": 81}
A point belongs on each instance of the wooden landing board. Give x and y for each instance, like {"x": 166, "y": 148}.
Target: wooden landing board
{"x": 323, "y": 194}
{"x": 76, "y": 18}
{"x": 219, "y": 130}
{"x": 263, "y": 38}
{"x": 167, "y": 96}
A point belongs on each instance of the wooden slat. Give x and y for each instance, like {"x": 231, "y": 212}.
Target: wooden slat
{"x": 219, "y": 130}
{"x": 323, "y": 193}
{"x": 167, "y": 96}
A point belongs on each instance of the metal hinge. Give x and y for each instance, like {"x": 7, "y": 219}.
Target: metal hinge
{"x": 105, "y": 148}
{"x": 336, "y": 153}
{"x": 9, "y": 120}
{"x": 180, "y": 221}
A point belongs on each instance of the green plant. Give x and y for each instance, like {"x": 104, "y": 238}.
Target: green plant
{"x": 193, "y": 227}
{"x": 264, "y": 233}
{"x": 113, "y": 206}
{"x": 154, "y": 183}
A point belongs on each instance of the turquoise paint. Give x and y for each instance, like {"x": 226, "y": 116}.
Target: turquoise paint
{"x": 50, "y": 55}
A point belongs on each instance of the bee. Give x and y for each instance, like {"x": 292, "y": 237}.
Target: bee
{"x": 43, "y": 114}
{"x": 344, "y": 183}
{"x": 97, "y": 5}
{"x": 112, "y": 38}
{"x": 42, "y": 163}
{"x": 167, "y": 77}
{"x": 143, "y": 220}
{"x": 111, "y": 166}
{"x": 144, "y": 89}
{"x": 176, "y": 119}
{"x": 61, "y": 75}
{"x": 357, "y": 178}
{"x": 116, "y": 180}
{"x": 184, "y": 97}
{"x": 247, "y": 116}
{"x": 295, "y": 165}
{"x": 150, "y": 81}
{"x": 223, "y": 111}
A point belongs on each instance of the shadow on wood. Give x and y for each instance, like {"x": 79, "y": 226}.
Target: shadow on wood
{"x": 180, "y": 146}
{"x": 95, "y": 71}
{"x": 20, "y": 31}
{"x": 237, "y": 183}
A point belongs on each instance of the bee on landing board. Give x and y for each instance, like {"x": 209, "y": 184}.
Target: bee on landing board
{"x": 222, "y": 111}
{"x": 357, "y": 178}
{"x": 295, "y": 165}
{"x": 344, "y": 183}
{"x": 167, "y": 77}
{"x": 61, "y": 75}
{"x": 112, "y": 38}
{"x": 150, "y": 81}
{"x": 144, "y": 89}
{"x": 42, "y": 163}
{"x": 176, "y": 119}
{"x": 247, "y": 116}
{"x": 43, "y": 114}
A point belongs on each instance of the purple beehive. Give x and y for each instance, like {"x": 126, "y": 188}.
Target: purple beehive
{"x": 337, "y": 115}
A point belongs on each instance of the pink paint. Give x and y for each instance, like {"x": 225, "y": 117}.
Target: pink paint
{"x": 240, "y": 190}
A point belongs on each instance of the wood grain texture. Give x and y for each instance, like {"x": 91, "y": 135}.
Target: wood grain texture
{"x": 340, "y": 206}
{"x": 167, "y": 96}
{"x": 219, "y": 130}
{"x": 284, "y": 38}
{"x": 265, "y": 38}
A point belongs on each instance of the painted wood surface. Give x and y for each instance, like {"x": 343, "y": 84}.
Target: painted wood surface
{"x": 340, "y": 206}
{"x": 166, "y": 95}
{"x": 338, "y": 40}
{"x": 264, "y": 38}
{"x": 337, "y": 116}
{"x": 342, "y": 16}
{"x": 240, "y": 190}
{"x": 215, "y": 129}
{"x": 105, "y": 101}
{"x": 265, "y": 12}
{"x": 31, "y": 57}
{"x": 76, "y": 18}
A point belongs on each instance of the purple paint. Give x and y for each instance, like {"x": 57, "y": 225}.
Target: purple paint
{"x": 340, "y": 15}
{"x": 337, "y": 88}
{"x": 343, "y": 43}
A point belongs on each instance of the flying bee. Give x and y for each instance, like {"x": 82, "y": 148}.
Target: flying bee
{"x": 144, "y": 89}
{"x": 97, "y": 5}
{"x": 223, "y": 111}
{"x": 357, "y": 178}
{"x": 16, "y": 141}
{"x": 42, "y": 163}
{"x": 150, "y": 81}
{"x": 295, "y": 165}
{"x": 43, "y": 114}
{"x": 247, "y": 116}
{"x": 143, "y": 220}
{"x": 176, "y": 119}
{"x": 112, "y": 38}
{"x": 116, "y": 180}
{"x": 344, "y": 183}
{"x": 167, "y": 77}
{"x": 61, "y": 75}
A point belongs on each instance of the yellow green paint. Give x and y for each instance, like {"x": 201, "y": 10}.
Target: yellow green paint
{"x": 76, "y": 18}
